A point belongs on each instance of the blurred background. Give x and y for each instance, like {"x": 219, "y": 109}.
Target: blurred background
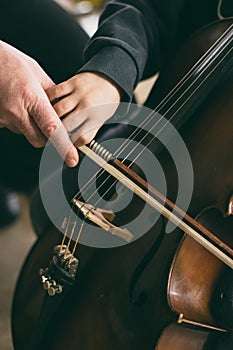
{"x": 17, "y": 239}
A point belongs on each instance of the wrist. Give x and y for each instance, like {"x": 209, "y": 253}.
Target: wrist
{"x": 115, "y": 64}
{"x": 116, "y": 88}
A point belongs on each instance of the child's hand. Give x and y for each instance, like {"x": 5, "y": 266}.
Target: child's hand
{"x": 81, "y": 93}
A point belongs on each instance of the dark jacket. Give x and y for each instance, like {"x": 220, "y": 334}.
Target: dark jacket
{"x": 135, "y": 37}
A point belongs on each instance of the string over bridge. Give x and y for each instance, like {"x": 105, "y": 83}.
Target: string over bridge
{"x": 102, "y": 218}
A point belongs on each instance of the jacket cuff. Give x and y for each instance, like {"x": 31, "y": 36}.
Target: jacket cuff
{"x": 116, "y": 65}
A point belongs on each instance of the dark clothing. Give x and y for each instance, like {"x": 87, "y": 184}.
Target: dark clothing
{"x": 136, "y": 37}
{"x": 44, "y": 31}
{"x": 134, "y": 40}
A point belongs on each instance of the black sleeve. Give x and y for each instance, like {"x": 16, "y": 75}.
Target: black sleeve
{"x": 132, "y": 39}
{"x": 45, "y": 31}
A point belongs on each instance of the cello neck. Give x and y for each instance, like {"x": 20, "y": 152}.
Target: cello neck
{"x": 199, "y": 81}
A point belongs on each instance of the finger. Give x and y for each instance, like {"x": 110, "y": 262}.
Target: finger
{"x": 8, "y": 122}
{"x": 85, "y": 133}
{"x": 51, "y": 126}
{"x": 46, "y": 81}
{"x": 13, "y": 128}
{"x": 60, "y": 90}
{"x": 75, "y": 120}
{"x": 61, "y": 140}
{"x": 65, "y": 106}
{"x": 33, "y": 134}
{"x": 39, "y": 73}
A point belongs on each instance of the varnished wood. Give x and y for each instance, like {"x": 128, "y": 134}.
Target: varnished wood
{"x": 200, "y": 229}
{"x": 97, "y": 313}
{"x": 178, "y": 337}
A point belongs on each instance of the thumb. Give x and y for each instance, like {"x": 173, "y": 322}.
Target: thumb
{"x": 51, "y": 126}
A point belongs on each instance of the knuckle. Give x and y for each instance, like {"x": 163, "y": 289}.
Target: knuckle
{"x": 38, "y": 143}
{"x": 60, "y": 89}
{"x": 21, "y": 124}
{"x": 49, "y": 128}
{"x": 17, "y": 120}
{"x": 84, "y": 139}
{"x": 13, "y": 128}
{"x": 14, "y": 110}
{"x": 61, "y": 109}
{"x": 86, "y": 102}
{"x": 28, "y": 94}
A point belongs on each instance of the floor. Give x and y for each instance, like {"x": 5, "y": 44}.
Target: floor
{"x": 15, "y": 242}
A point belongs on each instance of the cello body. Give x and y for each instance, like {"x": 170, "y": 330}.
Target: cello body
{"x": 98, "y": 311}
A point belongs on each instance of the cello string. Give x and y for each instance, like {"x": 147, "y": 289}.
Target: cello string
{"x": 161, "y": 129}
{"x": 171, "y": 94}
{"x": 202, "y": 58}
{"x": 187, "y": 76}
{"x": 65, "y": 233}
{"x": 148, "y": 144}
{"x": 67, "y": 230}
{"x": 149, "y": 117}
{"x": 71, "y": 236}
{"x": 78, "y": 238}
{"x": 152, "y": 139}
{"x": 118, "y": 154}
{"x": 181, "y": 107}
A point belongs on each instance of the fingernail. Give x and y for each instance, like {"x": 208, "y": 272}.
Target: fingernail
{"x": 72, "y": 162}
{"x": 72, "y": 158}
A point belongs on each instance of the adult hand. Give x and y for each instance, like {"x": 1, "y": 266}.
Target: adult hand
{"x": 24, "y": 105}
{"x": 85, "y": 102}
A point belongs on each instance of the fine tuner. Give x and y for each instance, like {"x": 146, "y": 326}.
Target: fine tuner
{"x": 62, "y": 271}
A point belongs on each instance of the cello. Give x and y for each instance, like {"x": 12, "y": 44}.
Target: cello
{"x": 118, "y": 297}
